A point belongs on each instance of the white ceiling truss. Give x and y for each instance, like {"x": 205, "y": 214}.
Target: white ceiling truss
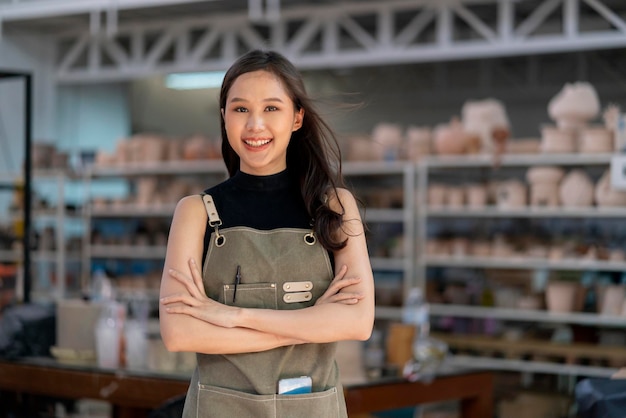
{"x": 335, "y": 35}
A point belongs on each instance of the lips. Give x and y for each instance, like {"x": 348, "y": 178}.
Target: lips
{"x": 256, "y": 143}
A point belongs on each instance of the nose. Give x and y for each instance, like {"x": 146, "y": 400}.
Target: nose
{"x": 255, "y": 122}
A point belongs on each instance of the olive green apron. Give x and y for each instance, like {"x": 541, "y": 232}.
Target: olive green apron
{"x": 284, "y": 269}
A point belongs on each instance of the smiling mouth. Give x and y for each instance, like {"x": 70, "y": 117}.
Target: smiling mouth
{"x": 255, "y": 143}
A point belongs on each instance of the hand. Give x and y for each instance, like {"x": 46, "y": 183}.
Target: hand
{"x": 196, "y": 303}
{"x": 334, "y": 292}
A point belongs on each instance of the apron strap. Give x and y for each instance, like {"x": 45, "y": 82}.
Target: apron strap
{"x": 214, "y": 218}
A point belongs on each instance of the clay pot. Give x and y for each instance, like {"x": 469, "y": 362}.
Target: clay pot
{"x": 455, "y": 197}
{"x": 574, "y": 105}
{"x": 359, "y": 148}
{"x": 476, "y": 195}
{"x": 418, "y": 142}
{"x": 486, "y": 120}
{"x": 605, "y": 195}
{"x": 511, "y": 194}
{"x": 576, "y": 189}
{"x": 597, "y": 139}
{"x": 450, "y": 139}
{"x": 524, "y": 146}
{"x": 611, "y": 299}
{"x": 436, "y": 195}
{"x": 388, "y": 137}
{"x": 544, "y": 185}
{"x": 561, "y": 296}
{"x": 557, "y": 140}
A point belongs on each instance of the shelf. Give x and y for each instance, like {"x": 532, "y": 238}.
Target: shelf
{"x": 133, "y": 210}
{"x": 383, "y": 215}
{"x": 375, "y": 168}
{"x": 380, "y": 263}
{"x": 389, "y": 313}
{"x": 524, "y": 263}
{"x": 526, "y": 212}
{"x": 517, "y": 160}
{"x": 164, "y": 168}
{"x": 128, "y": 252}
{"x": 528, "y": 366}
{"x": 528, "y": 315}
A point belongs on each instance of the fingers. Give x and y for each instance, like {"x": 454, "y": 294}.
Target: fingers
{"x": 189, "y": 283}
{"x": 182, "y": 298}
{"x": 341, "y": 273}
{"x": 338, "y": 285}
{"x": 196, "y": 274}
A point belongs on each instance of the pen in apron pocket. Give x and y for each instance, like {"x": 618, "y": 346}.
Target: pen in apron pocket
{"x": 237, "y": 280}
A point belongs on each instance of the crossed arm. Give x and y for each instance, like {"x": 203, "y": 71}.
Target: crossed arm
{"x": 190, "y": 321}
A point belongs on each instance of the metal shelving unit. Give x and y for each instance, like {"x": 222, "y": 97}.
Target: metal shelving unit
{"x": 433, "y": 166}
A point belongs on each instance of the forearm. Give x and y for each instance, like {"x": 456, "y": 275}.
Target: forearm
{"x": 316, "y": 324}
{"x": 185, "y": 333}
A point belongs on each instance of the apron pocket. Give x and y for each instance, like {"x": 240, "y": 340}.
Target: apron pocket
{"x": 221, "y": 402}
{"x": 320, "y": 404}
{"x": 253, "y": 295}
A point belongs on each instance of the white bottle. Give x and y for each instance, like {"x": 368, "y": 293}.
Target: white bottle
{"x": 416, "y": 312}
{"x": 108, "y": 335}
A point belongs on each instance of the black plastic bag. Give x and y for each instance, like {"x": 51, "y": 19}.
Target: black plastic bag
{"x": 27, "y": 330}
{"x": 601, "y": 398}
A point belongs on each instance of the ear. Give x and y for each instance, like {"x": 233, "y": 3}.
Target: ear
{"x": 297, "y": 123}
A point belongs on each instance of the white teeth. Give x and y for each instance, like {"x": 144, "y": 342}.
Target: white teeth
{"x": 258, "y": 143}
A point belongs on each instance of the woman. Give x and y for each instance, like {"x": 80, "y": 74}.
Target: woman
{"x": 286, "y": 272}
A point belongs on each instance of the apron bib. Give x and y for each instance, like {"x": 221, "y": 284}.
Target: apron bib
{"x": 284, "y": 269}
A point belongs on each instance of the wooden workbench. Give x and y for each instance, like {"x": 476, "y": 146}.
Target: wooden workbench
{"x": 134, "y": 394}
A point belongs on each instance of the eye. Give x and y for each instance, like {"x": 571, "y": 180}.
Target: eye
{"x": 240, "y": 109}
{"x": 271, "y": 108}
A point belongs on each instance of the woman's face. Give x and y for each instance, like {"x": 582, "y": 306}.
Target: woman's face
{"x": 259, "y": 117}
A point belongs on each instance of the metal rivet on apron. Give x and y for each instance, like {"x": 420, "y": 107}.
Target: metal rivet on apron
{"x": 288, "y": 286}
{"x": 220, "y": 240}
{"x": 226, "y": 287}
{"x": 306, "y": 286}
{"x": 273, "y": 285}
{"x": 310, "y": 238}
{"x": 288, "y": 297}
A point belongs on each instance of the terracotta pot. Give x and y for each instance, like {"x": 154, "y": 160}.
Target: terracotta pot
{"x": 544, "y": 189}
{"x": 450, "y": 139}
{"x": 388, "y": 137}
{"x": 511, "y": 194}
{"x": 455, "y": 197}
{"x": 557, "y": 140}
{"x": 476, "y": 195}
{"x": 596, "y": 139}
{"x": 610, "y": 299}
{"x": 605, "y": 195}
{"x": 418, "y": 142}
{"x": 561, "y": 296}
{"x": 436, "y": 195}
{"x": 574, "y": 105}
{"x": 576, "y": 189}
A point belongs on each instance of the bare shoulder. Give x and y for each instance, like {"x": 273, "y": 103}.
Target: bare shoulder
{"x": 190, "y": 206}
{"x": 342, "y": 201}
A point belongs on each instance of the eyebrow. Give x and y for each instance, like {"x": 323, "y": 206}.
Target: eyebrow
{"x": 269, "y": 99}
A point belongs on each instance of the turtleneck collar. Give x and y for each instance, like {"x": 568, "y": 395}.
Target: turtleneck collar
{"x": 271, "y": 182}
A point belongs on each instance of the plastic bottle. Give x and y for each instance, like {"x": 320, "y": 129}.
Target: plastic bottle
{"x": 416, "y": 312}
{"x": 108, "y": 335}
{"x": 101, "y": 287}
{"x": 428, "y": 353}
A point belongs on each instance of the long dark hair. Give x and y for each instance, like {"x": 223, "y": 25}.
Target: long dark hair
{"x": 313, "y": 154}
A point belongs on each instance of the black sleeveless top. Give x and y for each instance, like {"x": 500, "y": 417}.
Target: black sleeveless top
{"x": 260, "y": 202}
